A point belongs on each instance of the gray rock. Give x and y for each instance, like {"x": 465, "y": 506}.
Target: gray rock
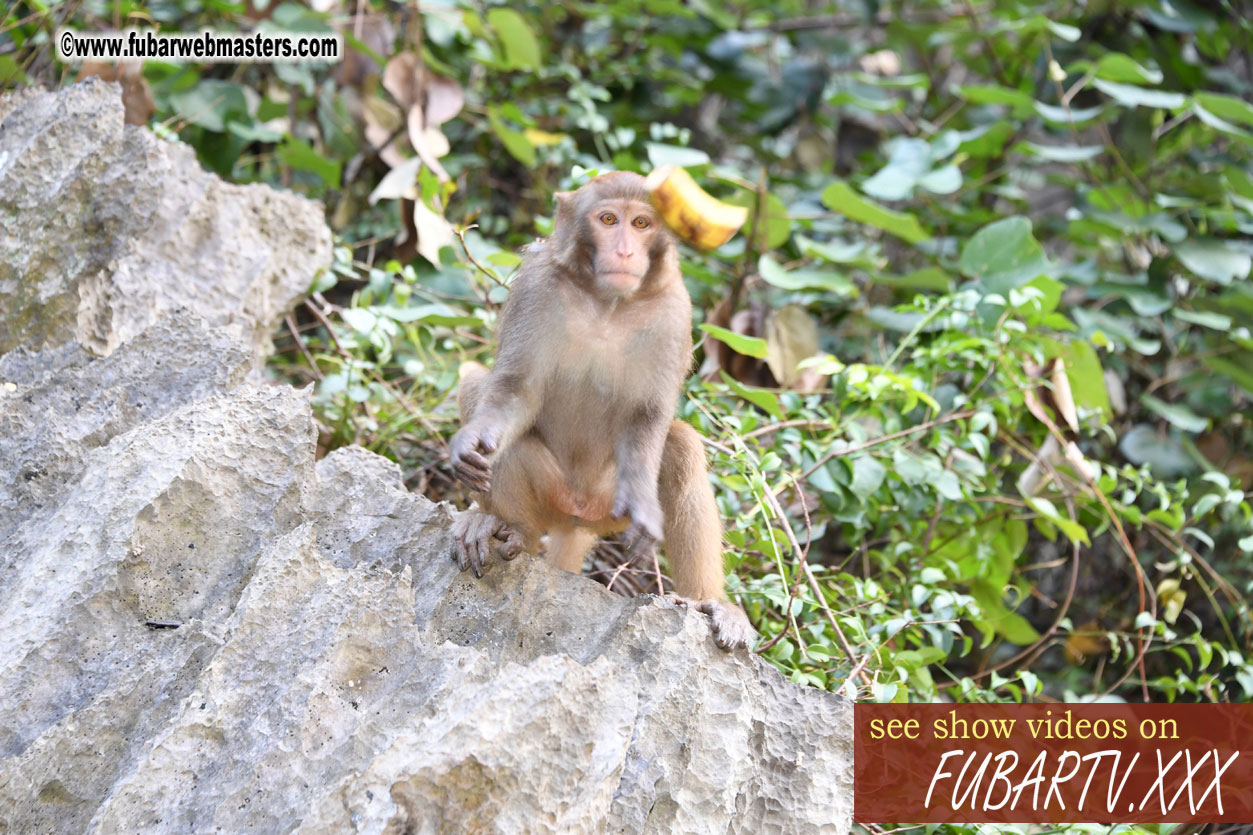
{"x": 203, "y": 629}
{"x": 58, "y": 404}
{"x": 104, "y": 229}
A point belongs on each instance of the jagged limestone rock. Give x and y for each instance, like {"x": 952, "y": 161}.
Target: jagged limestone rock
{"x": 104, "y": 229}
{"x": 202, "y": 629}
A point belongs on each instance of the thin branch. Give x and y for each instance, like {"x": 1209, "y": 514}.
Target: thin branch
{"x": 913, "y": 430}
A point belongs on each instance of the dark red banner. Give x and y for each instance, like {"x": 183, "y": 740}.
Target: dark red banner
{"x": 1059, "y": 763}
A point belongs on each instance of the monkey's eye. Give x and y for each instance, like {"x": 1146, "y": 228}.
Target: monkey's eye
{"x": 608, "y": 218}
{"x": 640, "y": 222}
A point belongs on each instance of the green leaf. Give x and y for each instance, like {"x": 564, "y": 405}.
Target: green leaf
{"x": 11, "y": 72}
{"x": 1220, "y": 124}
{"x": 1239, "y": 369}
{"x": 909, "y": 159}
{"x": 659, "y": 155}
{"x": 212, "y": 102}
{"x": 868, "y": 475}
{"x": 927, "y": 278}
{"x": 991, "y": 94}
{"x": 1085, "y": 375}
{"x": 944, "y": 180}
{"x": 826, "y": 280}
{"x": 515, "y": 142}
{"x": 858, "y": 253}
{"x": 300, "y": 155}
{"x": 840, "y": 197}
{"x": 1072, "y": 529}
{"x": 1216, "y": 321}
{"x": 767, "y": 400}
{"x": 1012, "y": 627}
{"x": 774, "y": 227}
{"x": 1064, "y": 153}
{"x": 1165, "y": 456}
{"x": 1121, "y": 68}
{"x": 986, "y": 140}
{"x": 1178, "y": 415}
{"x": 522, "y": 50}
{"x": 1132, "y": 96}
{"x": 431, "y": 314}
{"x": 1063, "y": 116}
{"x": 749, "y": 346}
{"x": 1229, "y": 108}
{"x": 1004, "y": 255}
{"x": 1213, "y": 260}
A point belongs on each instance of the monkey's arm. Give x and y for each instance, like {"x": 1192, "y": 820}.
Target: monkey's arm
{"x": 509, "y": 396}
{"x": 637, "y": 454}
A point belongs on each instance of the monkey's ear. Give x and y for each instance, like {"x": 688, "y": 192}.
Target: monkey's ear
{"x": 565, "y": 211}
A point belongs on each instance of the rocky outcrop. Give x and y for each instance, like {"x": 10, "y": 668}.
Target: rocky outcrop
{"x": 203, "y": 629}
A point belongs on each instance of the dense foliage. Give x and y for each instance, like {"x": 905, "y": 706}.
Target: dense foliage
{"x": 1009, "y": 245}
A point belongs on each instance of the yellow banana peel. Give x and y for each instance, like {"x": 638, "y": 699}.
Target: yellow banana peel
{"x": 693, "y": 214}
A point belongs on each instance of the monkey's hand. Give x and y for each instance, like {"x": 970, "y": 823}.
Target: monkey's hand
{"x": 469, "y": 450}
{"x": 644, "y": 531}
{"x": 730, "y": 625}
{"x": 477, "y": 533}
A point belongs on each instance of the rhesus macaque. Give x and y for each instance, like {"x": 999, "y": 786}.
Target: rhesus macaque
{"x": 571, "y": 433}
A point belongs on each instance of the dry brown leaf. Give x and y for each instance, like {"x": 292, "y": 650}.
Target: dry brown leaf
{"x": 791, "y": 336}
{"x": 444, "y": 99}
{"x": 400, "y": 182}
{"x": 1063, "y": 399}
{"x": 433, "y": 232}
{"x": 421, "y": 140}
{"x": 382, "y": 119}
{"x": 375, "y": 31}
{"x": 884, "y": 62}
{"x": 1170, "y": 599}
{"x": 720, "y": 356}
{"x": 407, "y": 240}
{"x": 1080, "y": 647}
{"x": 400, "y": 79}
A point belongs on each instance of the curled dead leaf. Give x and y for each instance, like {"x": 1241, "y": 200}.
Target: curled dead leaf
{"x": 434, "y": 233}
{"x": 399, "y": 183}
{"x": 400, "y": 78}
{"x": 382, "y": 121}
{"x": 1088, "y": 641}
{"x": 428, "y": 142}
{"x": 444, "y": 99}
{"x": 1063, "y": 399}
{"x": 791, "y": 336}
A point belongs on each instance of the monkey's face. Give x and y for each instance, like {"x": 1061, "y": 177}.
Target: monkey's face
{"x": 625, "y": 234}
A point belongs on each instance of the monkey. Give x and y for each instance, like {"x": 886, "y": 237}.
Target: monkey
{"x": 571, "y": 433}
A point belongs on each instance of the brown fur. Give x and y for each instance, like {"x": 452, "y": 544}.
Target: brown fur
{"x": 571, "y": 433}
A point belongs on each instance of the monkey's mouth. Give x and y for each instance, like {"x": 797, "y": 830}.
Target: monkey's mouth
{"x": 620, "y": 279}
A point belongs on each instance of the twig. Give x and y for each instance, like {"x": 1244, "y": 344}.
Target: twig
{"x": 461, "y": 236}
{"x": 814, "y": 586}
{"x": 788, "y": 424}
{"x": 913, "y": 430}
{"x": 300, "y": 343}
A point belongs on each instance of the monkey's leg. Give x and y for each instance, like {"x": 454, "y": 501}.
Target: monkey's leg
{"x": 567, "y": 547}
{"x": 693, "y": 536}
{"x": 516, "y": 509}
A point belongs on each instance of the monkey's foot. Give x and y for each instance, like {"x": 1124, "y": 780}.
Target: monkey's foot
{"x": 730, "y": 625}
{"x": 478, "y": 533}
